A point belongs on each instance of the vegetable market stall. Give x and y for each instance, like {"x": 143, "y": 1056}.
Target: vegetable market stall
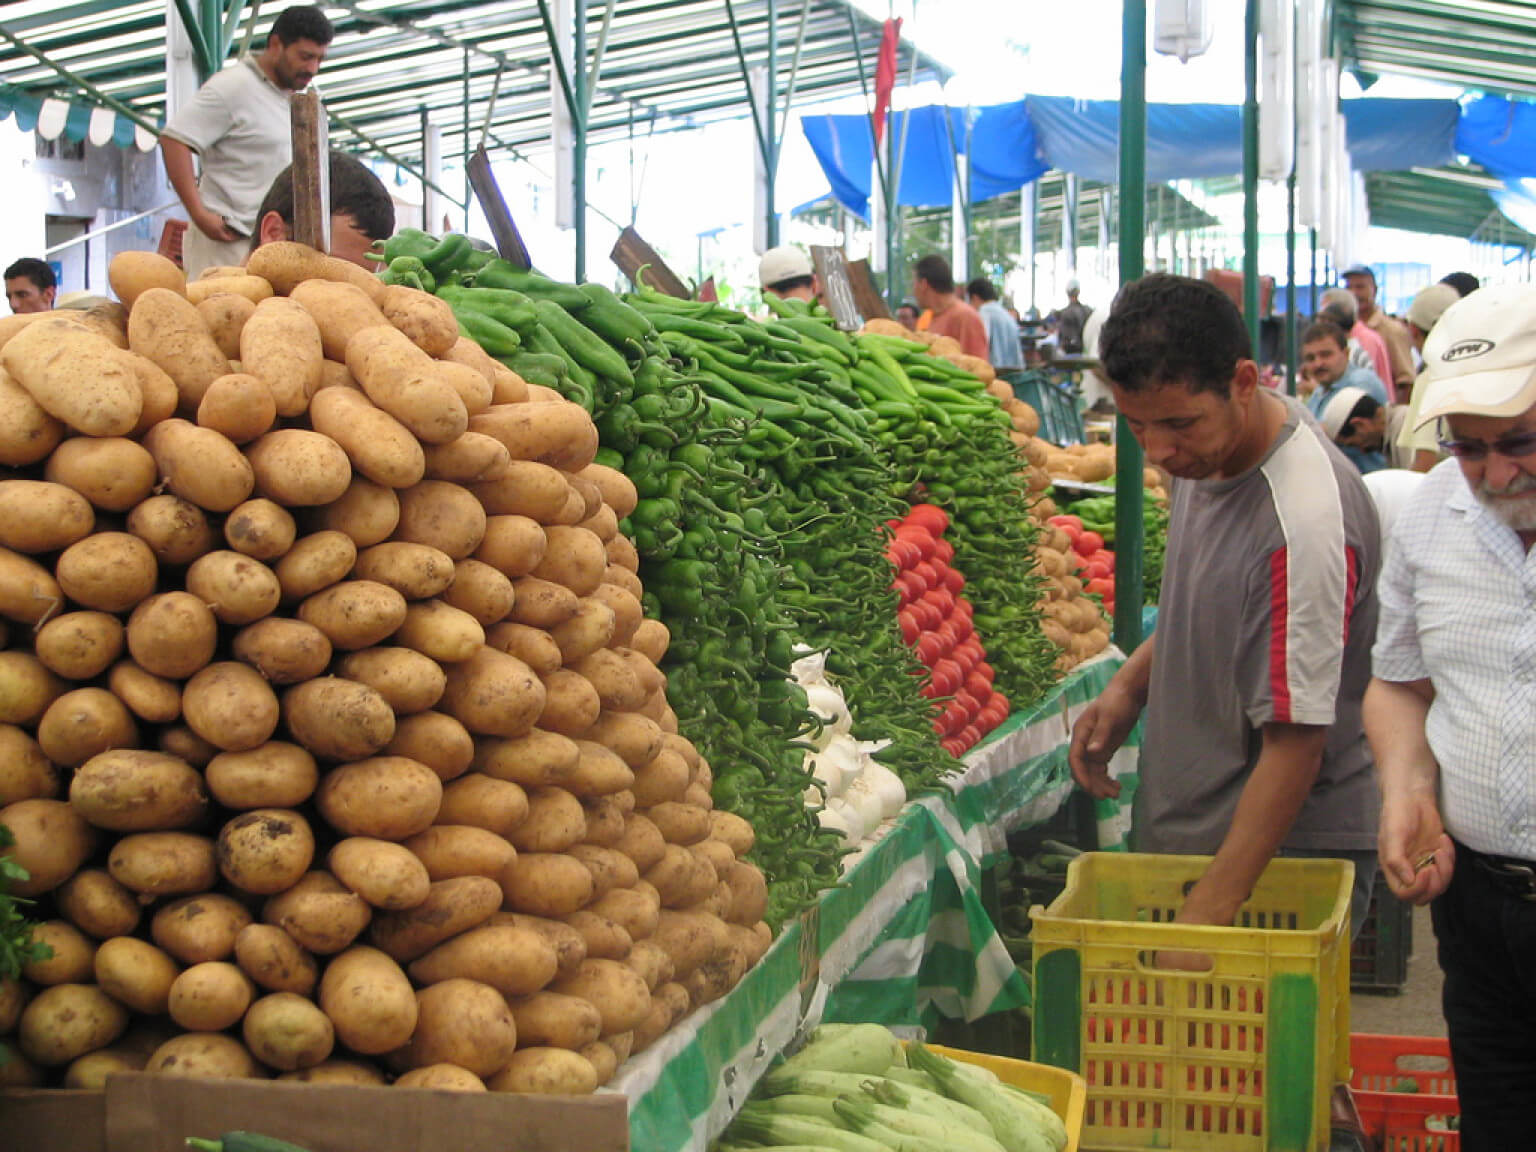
{"x": 902, "y": 942}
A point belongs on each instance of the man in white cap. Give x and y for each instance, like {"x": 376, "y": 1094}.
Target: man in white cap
{"x": 1417, "y": 445}
{"x": 1451, "y": 709}
{"x": 1357, "y": 423}
{"x": 786, "y": 272}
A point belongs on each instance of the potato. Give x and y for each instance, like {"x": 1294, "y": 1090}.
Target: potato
{"x": 451, "y": 850}
{"x": 528, "y": 489}
{"x": 680, "y": 823}
{"x": 617, "y": 489}
{"x": 27, "y": 432}
{"x": 89, "y": 1073}
{"x": 554, "y": 822}
{"x": 651, "y": 963}
{"x": 532, "y": 760}
{"x": 67, "y": 1021}
{"x": 573, "y": 557}
{"x": 322, "y": 914}
{"x": 404, "y": 381}
{"x": 614, "y": 678}
{"x": 163, "y": 863}
{"x": 174, "y": 634}
{"x": 52, "y": 840}
{"x": 378, "y": 445}
{"x": 569, "y": 944}
{"x": 493, "y": 694}
{"x": 480, "y": 590}
{"x": 296, "y": 467}
{"x": 514, "y": 961}
{"x": 560, "y": 434}
{"x": 70, "y": 958}
{"x": 571, "y": 704}
{"x": 315, "y": 562}
{"x": 239, "y": 406}
{"x": 471, "y": 459}
{"x": 275, "y": 960}
{"x": 41, "y": 516}
{"x": 353, "y": 1072}
{"x": 339, "y": 310}
{"x": 273, "y": 775}
{"x": 441, "y": 631}
{"x": 733, "y": 830}
{"x": 622, "y": 554}
{"x": 130, "y": 790}
{"x": 717, "y": 852}
{"x": 148, "y": 697}
{"x": 387, "y": 876}
{"x": 546, "y": 884}
{"x": 452, "y": 906}
{"x": 462, "y": 1023}
{"x": 197, "y": 929}
{"x": 108, "y": 571}
{"x": 224, "y": 313}
{"x": 436, "y": 740}
{"x": 355, "y": 613}
{"x": 76, "y": 376}
{"x": 681, "y": 878}
{"x": 369, "y": 1000}
{"x": 599, "y": 772}
{"x": 603, "y": 938}
{"x": 416, "y": 571}
{"x": 664, "y": 777}
{"x": 428, "y": 321}
{"x": 97, "y": 905}
{"x": 387, "y": 797}
{"x": 182, "y": 742}
{"x": 588, "y": 631}
{"x": 136, "y": 974}
{"x": 408, "y": 681}
{"x": 132, "y": 273}
{"x": 633, "y": 909}
{"x": 240, "y": 590}
{"x": 441, "y": 1078}
{"x": 749, "y": 893}
{"x": 446, "y": 516}
{"x": 281, "y": 346}
{"x": 546, "y": 1072}
{"x": 288, "y": 1032}
{"x": 717, "y": 975}
{"x": 230, "y": 705}
{"x": 200, "y": 465}
{"x": 605, "y": 819}
{"x": 610, "y": 868}
{"x": 25, "y": 773}
{"x": 176, "y": 530}
{"x": 626, "y": 609}
{"x": 284, "y": 651}
{"x": 265, "y": 850}
{"x": 635, "y": 739}
{"x": 541, "y": 604}
{"x": 338, "y": 719}
{"x": 513, "y": 545}
{"x": 481, "y": 801}
{"x": 555, "y": 1020}
{"x": 261, "y": 529}
{"x": 28, "y": 591}
{"x": 210, "y": 997}
{"x": 366, "y": 512}
{"x": 26, "y": 688}
{"x": 157, "y": 391}
{"x": 533, "y": 646}
{"x": 204, "y": 1056}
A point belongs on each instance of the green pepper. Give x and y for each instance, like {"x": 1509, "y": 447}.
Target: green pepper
{"x": 411, "y": 272}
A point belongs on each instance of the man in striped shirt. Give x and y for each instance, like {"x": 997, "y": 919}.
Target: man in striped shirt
{"x": 1451, "y": 712}
{"x": 1253, "y": 681}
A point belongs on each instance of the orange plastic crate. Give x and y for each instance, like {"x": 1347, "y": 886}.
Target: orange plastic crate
{"x": 1405, "y": 1089}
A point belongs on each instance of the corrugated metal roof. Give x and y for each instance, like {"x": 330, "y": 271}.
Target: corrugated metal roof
{"x": 1449, "y": 201}
{"x": 1488, "y": 45}
{"x": 668, "y": 63}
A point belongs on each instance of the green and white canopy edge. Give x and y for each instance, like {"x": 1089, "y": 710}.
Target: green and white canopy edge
{"x": 904, "y": 941}
{"x": 53, "y": 118}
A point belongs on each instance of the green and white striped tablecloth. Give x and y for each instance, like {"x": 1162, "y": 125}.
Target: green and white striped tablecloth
{"x": 905, "y": 939}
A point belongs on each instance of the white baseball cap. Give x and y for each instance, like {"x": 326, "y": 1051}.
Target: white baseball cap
{"x": 781, "y": 264}
{"x": 1336, "y": 412}
{"x": 1480, "y": 359}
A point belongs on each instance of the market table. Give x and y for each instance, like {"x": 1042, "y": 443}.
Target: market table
{"x": 903, "y": 940}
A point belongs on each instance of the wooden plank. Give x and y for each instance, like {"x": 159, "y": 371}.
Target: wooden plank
{"x": 637, "y": 259}
{"x": 837, "y": 291}
{"x": 311, "y": 171}
{"x": 509, "y": 241}
{"x": 871, "y": 303}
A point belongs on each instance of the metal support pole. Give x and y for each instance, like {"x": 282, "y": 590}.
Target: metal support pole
{"x": 1290, "y": 279}
{"x": 770, "y": 134}
{"x": 1251, "y": 175}
{"x": 1133, "y": 184}
{"x": 1312, "y": 276}
{"x": 468, "y": 192}
{"x": 579, "y": 80}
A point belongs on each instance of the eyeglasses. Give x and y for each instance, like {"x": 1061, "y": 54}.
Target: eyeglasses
{"x": 1520, "y": 445}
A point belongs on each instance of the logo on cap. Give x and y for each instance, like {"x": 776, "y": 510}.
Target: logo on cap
{"x": 1466, "y": 349}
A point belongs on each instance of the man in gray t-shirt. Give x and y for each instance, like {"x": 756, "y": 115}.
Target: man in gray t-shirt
{"x": 1253, "y": 681}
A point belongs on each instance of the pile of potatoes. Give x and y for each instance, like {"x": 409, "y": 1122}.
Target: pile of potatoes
{"x": 331, "y": 731}
{"x": 946, "y": 347}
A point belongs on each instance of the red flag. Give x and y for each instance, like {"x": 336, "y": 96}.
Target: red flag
{"x": 885, "y": 73}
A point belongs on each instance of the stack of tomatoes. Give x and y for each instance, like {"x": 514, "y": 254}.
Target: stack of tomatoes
{"x": 1095, "y": 564}
{"x": 935, "y": 620}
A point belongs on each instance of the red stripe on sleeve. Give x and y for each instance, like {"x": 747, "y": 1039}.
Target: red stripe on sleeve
{"x": 1352, "y": 579}
{"x": 1279, "y": 622}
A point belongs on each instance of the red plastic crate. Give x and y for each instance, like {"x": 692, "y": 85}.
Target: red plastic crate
{"x": 1405, "y": 1089}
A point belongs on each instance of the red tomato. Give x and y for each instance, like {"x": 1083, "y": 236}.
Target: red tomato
{"x": 916, "y": 580}
{"x": 961, "y": 624}
{"x": 1102, "y": 586}
{"x": 953, "y": 747}
{"x": 909, "y": 628}
{"x": 1087, "y": 543}
{"x": 984, "y": 670}
{"x": 972, "y": 645}
{"x": 955, "y": 717}
{"x": 931, "y": 648}
{"x": 930, "y": 516}
{"x": 919, "y": 536}
{"x": 953, "y": 580}
{"x": 999, "y": 699}
{"x": 1077, "y": 559}
{"x": 947, "y": 672}
{"x": 1063, "y": 521}
{"x": 942, "y": 599}
{"x": 990, "y": 717}
{"x": 938, "y": 727}
{"x": 943, "y": 550}
{"x": 929, "y": 690}
{"x": 964, "y": 659}
{"x": 1097, "y": 570}
{"x": 963, "y": 607}
{"x": 930, "y": 573}
{"x": 979, "y": 686}
{"x": 967, "y": 701}
{"x": 903, "y": 553}
{"x": 929, "y": 614}
{"x": 970, "y": 736}
{"x": 893, "y": 524}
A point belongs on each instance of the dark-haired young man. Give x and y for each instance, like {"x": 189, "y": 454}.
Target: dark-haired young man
{"x": 361, "y": 211}
{"x": 1253, "y": 681}
{"x": 30, "y": 286}
{"x": 933, "y": 284}
{"x": 239, "y": 125}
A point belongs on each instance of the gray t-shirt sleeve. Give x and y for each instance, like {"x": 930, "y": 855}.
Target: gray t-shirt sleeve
{"x": 204, "y": 120}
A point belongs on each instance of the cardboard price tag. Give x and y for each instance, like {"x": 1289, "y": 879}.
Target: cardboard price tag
{"x": 645, "y": 267}
{"x": 837, "y": 287}
{"x": 509, "y": 241}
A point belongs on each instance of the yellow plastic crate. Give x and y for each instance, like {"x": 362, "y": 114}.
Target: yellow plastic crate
{"x": 1066, "y": 1089}
{"x": 1240, "y": 1058}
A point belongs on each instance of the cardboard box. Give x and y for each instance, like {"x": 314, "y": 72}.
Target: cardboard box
{"x": 139, "y": 1113}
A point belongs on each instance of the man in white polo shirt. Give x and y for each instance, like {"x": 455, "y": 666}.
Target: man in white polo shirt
{"x": 238, "y": 124}
{"x": 1451, "y": 708}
